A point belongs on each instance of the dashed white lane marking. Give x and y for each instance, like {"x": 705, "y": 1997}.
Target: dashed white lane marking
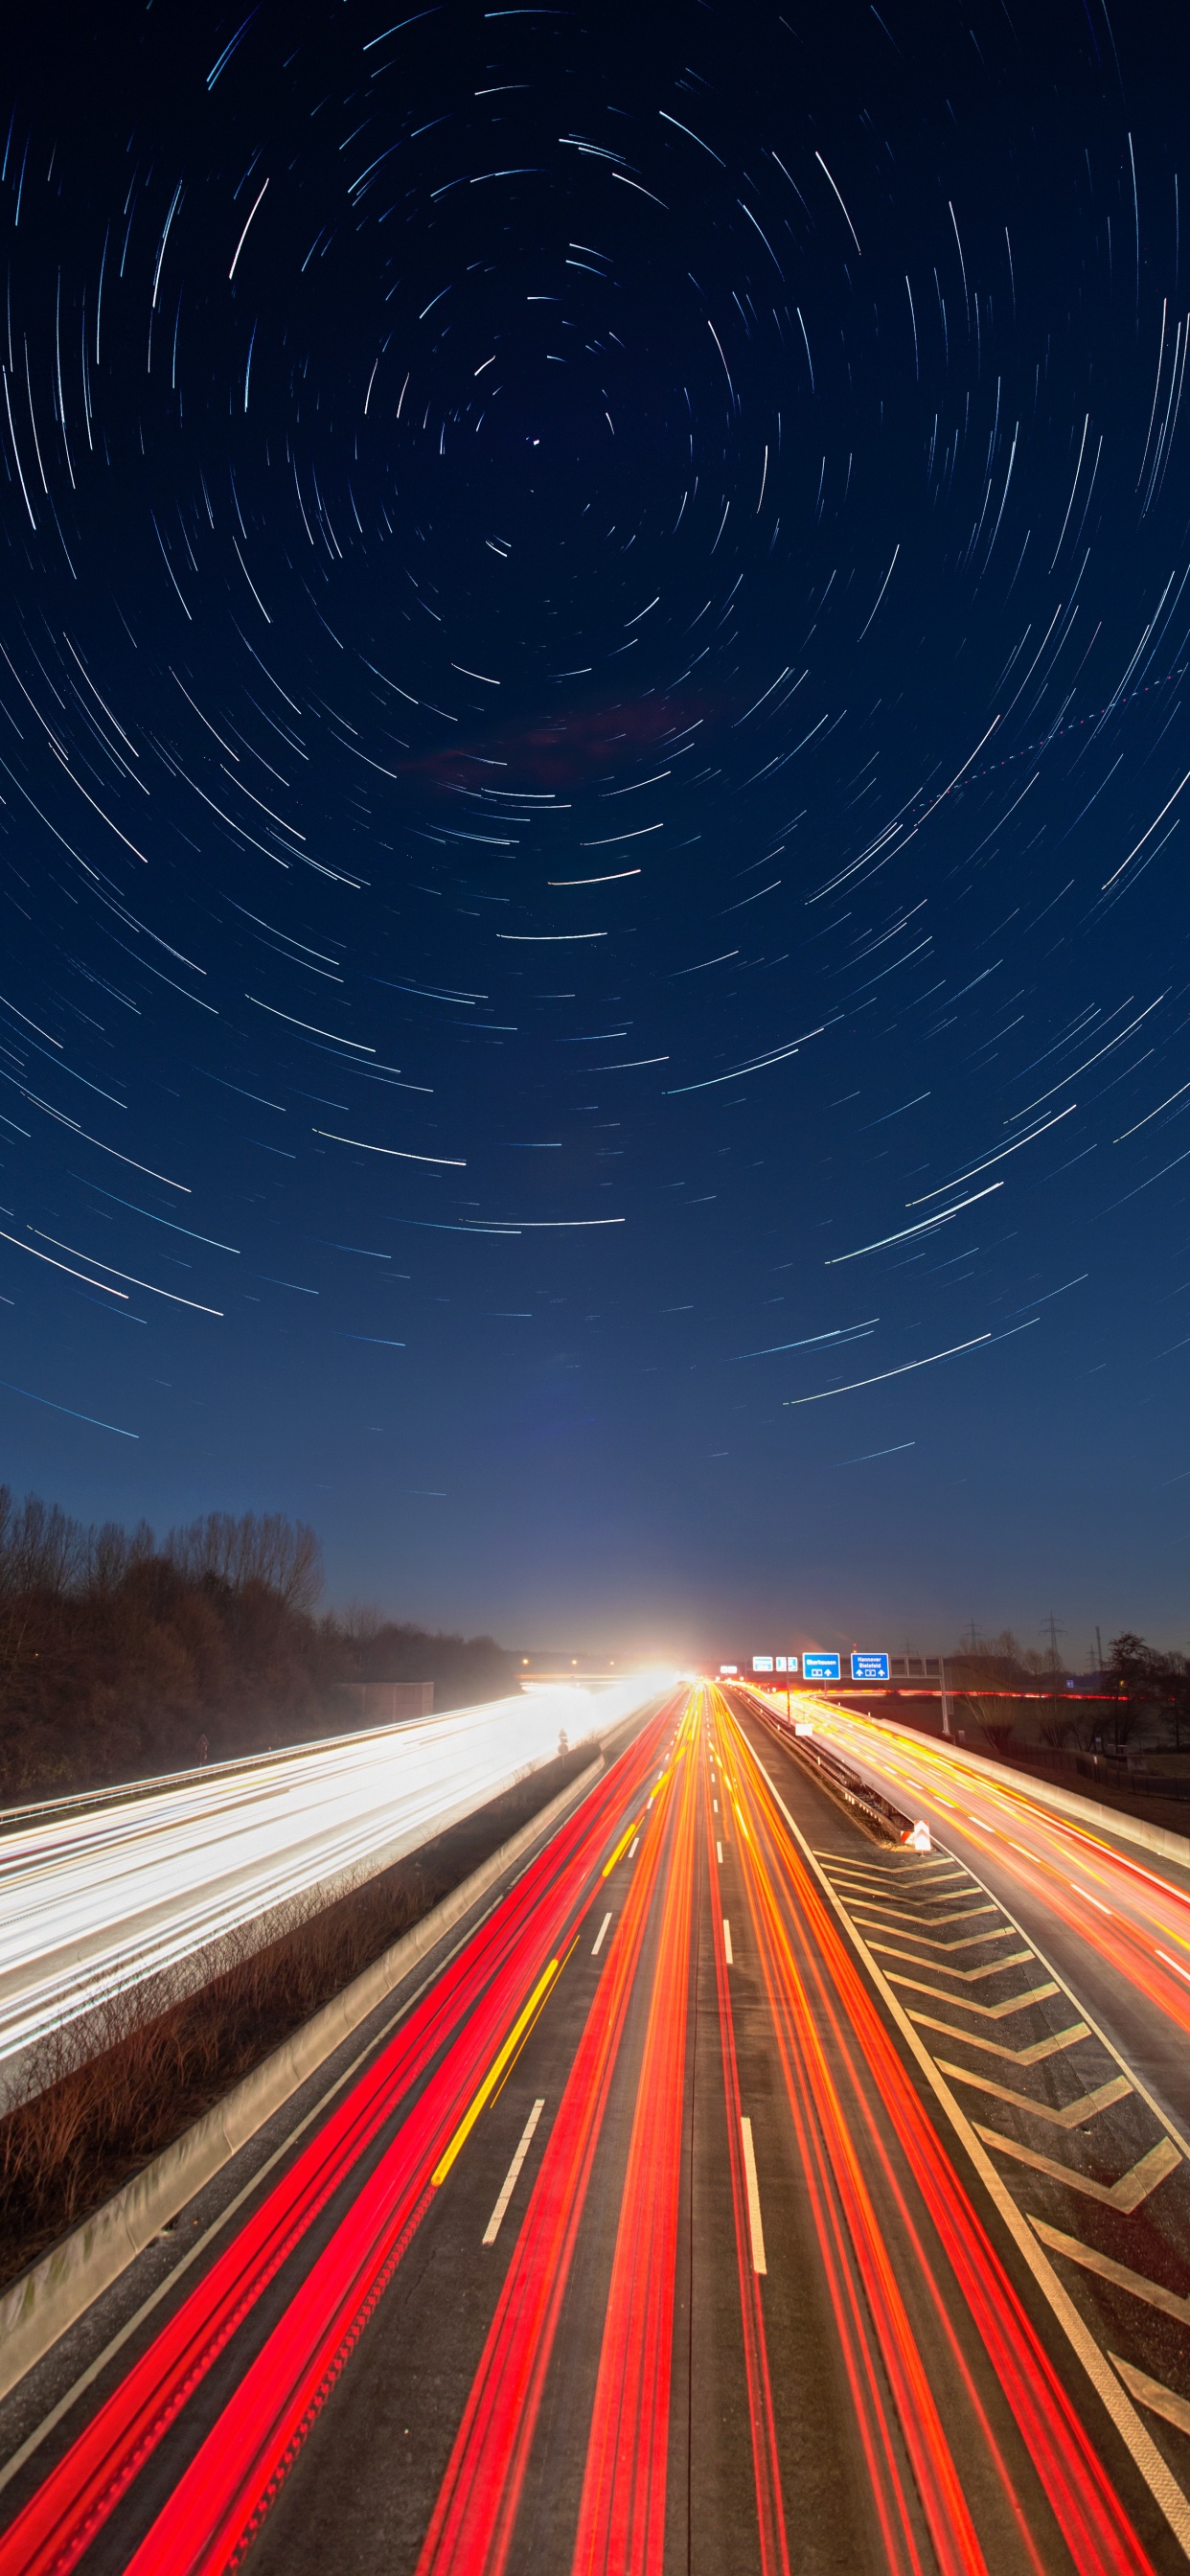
{"x": 632, "y": 1845}
{"x": 719, "y": 1854}
{"x": 755, "y": 2225}
{"x": 492, "y": 2229}
{"x": 727, "y": 1942}
{"x": 597, "y": 1943}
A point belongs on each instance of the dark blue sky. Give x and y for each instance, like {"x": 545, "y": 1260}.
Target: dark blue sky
{"x": 592, "y": 742}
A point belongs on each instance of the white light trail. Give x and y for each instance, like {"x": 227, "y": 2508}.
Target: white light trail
{"x": 96, "y": 1900}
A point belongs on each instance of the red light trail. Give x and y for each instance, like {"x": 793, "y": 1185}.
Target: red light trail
{"x": 963, "y": 2429}
{"x": 1070, "y": 2473}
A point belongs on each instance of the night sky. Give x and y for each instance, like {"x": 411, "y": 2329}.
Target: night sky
{"x": 593, "y": 658}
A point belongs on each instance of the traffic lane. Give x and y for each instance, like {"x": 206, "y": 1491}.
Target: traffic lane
{"x": 940, "y": 2458}
{"x": 177, "y": 2382}
{"x": 365, "y": 2485}
{"x": 831, "y": 2524}
{"x": 614, "y": 2390}
{"x": 1113, "y": 1928}
{"x": 981, "y": 2268}
{"x": 1152, "y": 1892}
{"x": 509, "y": 2492}
{"x": 648, "y": 2334}
{"x": 149, "y": 2280}
{"x": 713, "y": 2522}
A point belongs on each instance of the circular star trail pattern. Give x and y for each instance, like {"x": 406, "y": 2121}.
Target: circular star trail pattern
{"x": 592, "y": 747}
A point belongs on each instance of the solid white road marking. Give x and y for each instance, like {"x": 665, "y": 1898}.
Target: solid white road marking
{"x": 727, "y": 1942}
{"x": 597, "y": 1944}
{"x": 754, "y": 2219}
{"x": 492, "y": 2229}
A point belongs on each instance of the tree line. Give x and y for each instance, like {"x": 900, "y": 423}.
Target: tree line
{"x": 1143, "y": 1692}
{"x": 122, "y": 1655}
{"x": 1149, "y": 1688}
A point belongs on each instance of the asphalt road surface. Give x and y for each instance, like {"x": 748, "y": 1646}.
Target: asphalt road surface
{"x": 743, "y": 2195}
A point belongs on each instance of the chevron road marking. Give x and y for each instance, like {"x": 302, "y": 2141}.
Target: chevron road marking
{"x": 1153, "y": 2292}
{"x": 1150, "y": 2393}
{"x": 925, "y": 1874}
{"x": 972, "y": 1942}
{"x": 1121, "y": 2395}
{"x": 970, "y": 1976}
{"x": 912, "y": 1904}
{"x": 899, "y": 1914}
{"x": 1034, "y": 2056}
{"x": 990, "y": 2012}
{"x": 1126, "y": 2194}
{"x": 1075, "y": 2113}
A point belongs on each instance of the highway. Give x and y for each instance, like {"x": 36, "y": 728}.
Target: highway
{"x": 743, "y": 2194}
{"x": 97, "y": 1901}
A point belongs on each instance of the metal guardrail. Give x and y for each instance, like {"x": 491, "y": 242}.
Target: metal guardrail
{"x": 868, "y": 1805}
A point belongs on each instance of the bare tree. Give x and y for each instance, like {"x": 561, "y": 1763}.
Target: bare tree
{"x": 260, "y": 1547}
{"x": 360, "y": 1623}
{"x": 996, "y": 1720}
{"x": 41, "y": 1548}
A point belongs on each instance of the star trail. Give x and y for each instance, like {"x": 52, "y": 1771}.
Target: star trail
{"x": 592, "y": 737}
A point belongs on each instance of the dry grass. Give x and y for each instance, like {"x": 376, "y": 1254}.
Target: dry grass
{"x": 91, "y": 2127}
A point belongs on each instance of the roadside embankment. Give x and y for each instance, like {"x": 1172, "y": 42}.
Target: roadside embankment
{"x": 68, "y": 2149}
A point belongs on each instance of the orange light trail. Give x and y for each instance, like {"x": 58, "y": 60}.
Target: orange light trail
{"x": 1089, "y": 2514}
{"x": 770, "y": 2510}
{"x": 444, "y": 2043}
{"x": 621, "y": 2524}
{"x": 1147, "y": 1918}
{"x": 855, "y": 2254}
{"x": 472, "y": 2525}
{"x": 972, "y": 2447}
